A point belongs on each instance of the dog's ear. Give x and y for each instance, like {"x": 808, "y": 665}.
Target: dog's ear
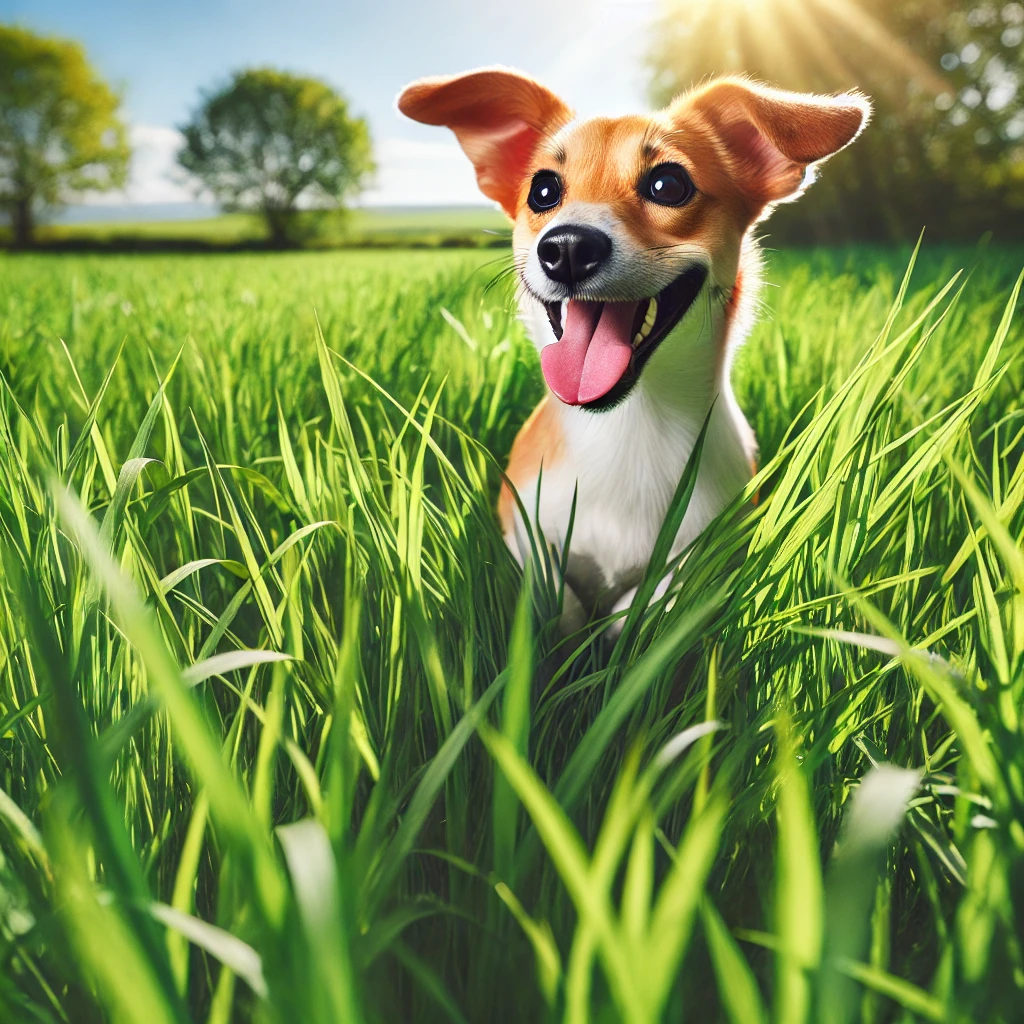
{"x": 498, "y": 116}
{"x": 770, "y": 137}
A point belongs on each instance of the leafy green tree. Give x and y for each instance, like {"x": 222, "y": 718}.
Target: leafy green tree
{"x": 945, "y": 149}
{"x": 59, "y": 128}
{"x": 275, "y": 144}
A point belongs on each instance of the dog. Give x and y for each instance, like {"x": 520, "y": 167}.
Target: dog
{"x": 638, "y": 276}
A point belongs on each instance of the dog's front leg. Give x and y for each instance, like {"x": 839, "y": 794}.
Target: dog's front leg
{"x": 573, "y": 616}
{"x": 624, "y": 603}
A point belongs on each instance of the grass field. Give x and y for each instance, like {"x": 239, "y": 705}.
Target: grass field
{"x": 367, "y": 227}
{"x": 284, "y": 737}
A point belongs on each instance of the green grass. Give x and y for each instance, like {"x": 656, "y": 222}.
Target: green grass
{"x": 285, "y": 737}
{"x": 226, "y": 229}
{"x": 447, "y": 226}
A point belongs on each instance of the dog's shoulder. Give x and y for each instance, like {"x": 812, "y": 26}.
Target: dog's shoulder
{"x": 541, "y": 440}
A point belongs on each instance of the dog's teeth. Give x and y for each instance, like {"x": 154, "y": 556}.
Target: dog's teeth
{"x": 565, "y": 306}
{"x": 648, "y": 325}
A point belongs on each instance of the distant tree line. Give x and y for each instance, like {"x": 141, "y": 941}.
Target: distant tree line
{"x": 945, "y": 150}
{"x": 279, "y": 145}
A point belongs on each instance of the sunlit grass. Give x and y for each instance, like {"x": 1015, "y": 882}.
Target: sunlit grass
{"x": 284, "y": 737}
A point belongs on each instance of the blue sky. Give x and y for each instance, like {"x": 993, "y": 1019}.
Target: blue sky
{"x": 162, "y": 54}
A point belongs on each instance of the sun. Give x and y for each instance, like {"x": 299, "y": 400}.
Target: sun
{"x": 797, "y": 39}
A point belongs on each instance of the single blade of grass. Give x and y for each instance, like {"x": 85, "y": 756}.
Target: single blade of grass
{"x": 737, "y": 986}
{"x": 799, "y": 896}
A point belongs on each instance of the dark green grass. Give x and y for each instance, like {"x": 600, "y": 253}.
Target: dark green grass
{"x": 284, "y": 737}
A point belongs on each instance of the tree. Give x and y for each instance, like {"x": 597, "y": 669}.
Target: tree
{"x": 275, "y": 143}
{"x": 944, "y": 149}
{"x": 59, "y": 129}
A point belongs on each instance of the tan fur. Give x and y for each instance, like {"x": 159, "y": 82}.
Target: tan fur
{"x": 539, "y": 442}
{"x": 498, "y": 115}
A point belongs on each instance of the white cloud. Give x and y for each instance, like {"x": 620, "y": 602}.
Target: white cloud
{"x": 413, "y": 173}
{"x": 409, "y": 173}
{"x": 154, "y": 176}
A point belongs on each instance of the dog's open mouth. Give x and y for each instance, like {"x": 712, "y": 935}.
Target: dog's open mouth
{"x": 603, "y": 346}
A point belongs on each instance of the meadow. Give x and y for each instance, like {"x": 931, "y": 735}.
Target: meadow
{"x": 285, "y": 735}
{"x": 365, "y": 227}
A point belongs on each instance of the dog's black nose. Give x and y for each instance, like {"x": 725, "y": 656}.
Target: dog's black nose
{"x": 570, "y": 254}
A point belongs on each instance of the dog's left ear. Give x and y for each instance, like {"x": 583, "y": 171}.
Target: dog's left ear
{"x": 771, "y": 137}
{"x": 498, "y": 115}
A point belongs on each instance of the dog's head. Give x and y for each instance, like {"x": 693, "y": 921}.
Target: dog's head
{"x": 622, "y": 223}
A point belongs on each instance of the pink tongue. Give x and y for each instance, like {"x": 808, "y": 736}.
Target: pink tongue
{"x": 593, "y": 352}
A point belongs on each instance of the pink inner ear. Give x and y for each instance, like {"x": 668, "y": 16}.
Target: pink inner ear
{"x": 501, "y": 154}
{"x": 769, "y": 172}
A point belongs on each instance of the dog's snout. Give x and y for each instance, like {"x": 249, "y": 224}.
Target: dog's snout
{"x": 571, "y": 253}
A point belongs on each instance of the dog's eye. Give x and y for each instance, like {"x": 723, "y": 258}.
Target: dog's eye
{"x": 667, "y": 185}
{"x": 545, "y": 192}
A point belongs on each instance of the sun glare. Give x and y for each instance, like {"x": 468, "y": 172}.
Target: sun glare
{"x": 798, "y": 37}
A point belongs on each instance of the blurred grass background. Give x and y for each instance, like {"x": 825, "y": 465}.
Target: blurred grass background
{"x": 366, "y": 227}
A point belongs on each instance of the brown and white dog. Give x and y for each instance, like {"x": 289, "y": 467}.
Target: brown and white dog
{"x": 638, "y": 276}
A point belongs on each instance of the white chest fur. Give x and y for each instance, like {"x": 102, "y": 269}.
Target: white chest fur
{"x": 625, "y": 463}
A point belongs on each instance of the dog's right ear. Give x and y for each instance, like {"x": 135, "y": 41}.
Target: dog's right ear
{"x": 498, "y": 116}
